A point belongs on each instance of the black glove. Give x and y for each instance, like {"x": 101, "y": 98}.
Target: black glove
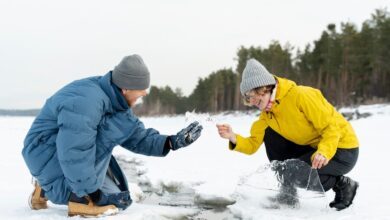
{"x": 121, "y": 200}
{"x": 186, "y": 136}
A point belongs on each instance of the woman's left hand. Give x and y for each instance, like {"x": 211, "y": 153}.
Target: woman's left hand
{"x": 319, "y": 161}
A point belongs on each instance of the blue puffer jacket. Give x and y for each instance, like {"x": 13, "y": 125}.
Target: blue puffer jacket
{"x": 76, "y": 129}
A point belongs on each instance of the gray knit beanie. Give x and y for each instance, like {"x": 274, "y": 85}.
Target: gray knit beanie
{"x": 131, "y": 73}
{"x": 255, "y": 75}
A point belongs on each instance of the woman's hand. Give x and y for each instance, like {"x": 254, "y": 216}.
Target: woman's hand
{"x": 226, "y": 131}
{"x": 319, "y": 161}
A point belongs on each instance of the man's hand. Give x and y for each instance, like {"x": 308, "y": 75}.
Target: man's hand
{"x": 186, "y": 136}
{"x": 319, "y": 161}
{"x": 226, "y": 131}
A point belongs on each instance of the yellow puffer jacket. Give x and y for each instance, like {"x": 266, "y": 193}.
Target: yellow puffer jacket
{"x": 302, "y": 115}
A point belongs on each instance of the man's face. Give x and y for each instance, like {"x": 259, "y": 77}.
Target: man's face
{"x": 132, "y": 96}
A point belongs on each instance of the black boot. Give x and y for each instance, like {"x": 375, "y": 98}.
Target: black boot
{"x": 345, "y": 190}
{"x": 337, "y": 197}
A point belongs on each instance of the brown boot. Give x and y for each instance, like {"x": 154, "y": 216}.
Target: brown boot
{"x": 37, "y": 199}
{"x": 86, "y": 208}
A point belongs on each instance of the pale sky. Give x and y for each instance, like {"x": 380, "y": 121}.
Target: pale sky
{"x": 45, "y": 44}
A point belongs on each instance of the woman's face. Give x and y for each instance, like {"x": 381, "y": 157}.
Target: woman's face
{"x": 258, "y": 97}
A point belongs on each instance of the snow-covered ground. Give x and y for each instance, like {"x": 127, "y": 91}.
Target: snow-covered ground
{"x": 207, "y": 174}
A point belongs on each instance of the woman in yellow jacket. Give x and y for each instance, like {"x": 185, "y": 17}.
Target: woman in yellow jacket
{"x": 298, "y": 122}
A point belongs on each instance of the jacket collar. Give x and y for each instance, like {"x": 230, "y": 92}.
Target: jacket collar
{"x": 118, "y": 102}
{"x": 284, "y": 86}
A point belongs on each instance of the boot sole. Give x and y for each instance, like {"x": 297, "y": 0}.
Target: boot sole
{"x": 30, "y": 200}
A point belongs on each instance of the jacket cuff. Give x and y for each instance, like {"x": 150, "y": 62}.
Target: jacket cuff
{"x": 167, "y": 146}
{"x": 232, "y": 146}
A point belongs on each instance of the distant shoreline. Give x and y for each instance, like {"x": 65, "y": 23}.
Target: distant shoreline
{"x": 15, "y": 112}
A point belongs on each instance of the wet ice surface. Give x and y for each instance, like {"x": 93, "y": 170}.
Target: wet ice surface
{"x": 173, "y": 194}
{"x": 250, "y": 193}
{"x": 263, "y": 188}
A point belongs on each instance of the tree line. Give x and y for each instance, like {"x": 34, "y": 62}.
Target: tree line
{"x": 349, "y": 66}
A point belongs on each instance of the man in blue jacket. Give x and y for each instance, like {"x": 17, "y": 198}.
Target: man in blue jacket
{"x": 68, "y": 148}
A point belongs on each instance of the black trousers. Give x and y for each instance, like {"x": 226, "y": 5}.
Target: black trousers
{"x": 279, "y": 148}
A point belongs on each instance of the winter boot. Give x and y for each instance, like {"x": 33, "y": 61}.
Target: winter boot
{"x": 337, "y": 198}
{"x": 345, "y": 190}
{"x": 37, "y": 198}
{"x": 85, "y": 207}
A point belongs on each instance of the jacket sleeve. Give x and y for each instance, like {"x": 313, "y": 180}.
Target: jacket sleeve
{"x": 145, "y": 141}
{"x": 76, "y": 146}
{"x": 322, "y": 116}
{"x": 249, "y": 145}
